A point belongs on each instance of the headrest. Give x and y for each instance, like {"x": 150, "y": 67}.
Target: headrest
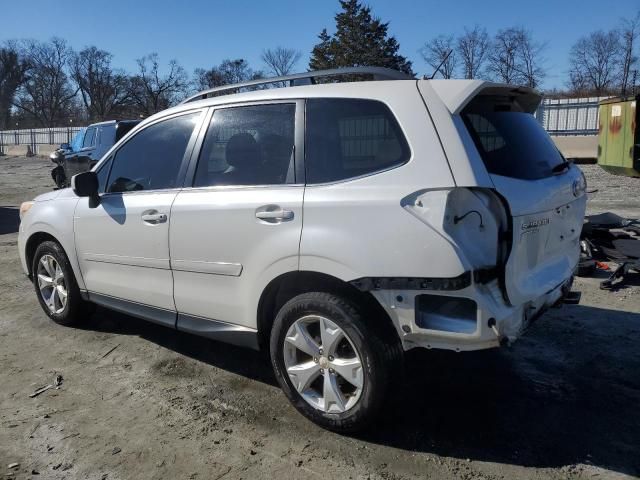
{"x": 242, "y": 150}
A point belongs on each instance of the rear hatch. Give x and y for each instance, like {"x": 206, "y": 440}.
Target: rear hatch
{"x": 544, "y": 194}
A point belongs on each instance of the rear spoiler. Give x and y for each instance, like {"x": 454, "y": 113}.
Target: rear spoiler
{"x": 456, "y": 94}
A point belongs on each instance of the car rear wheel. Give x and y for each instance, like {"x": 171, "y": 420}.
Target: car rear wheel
{"x": 334, "y": 368}
{"x": 56, "y": 286}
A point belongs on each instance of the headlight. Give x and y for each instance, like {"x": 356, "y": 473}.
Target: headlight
{"x": 24, "y": 208}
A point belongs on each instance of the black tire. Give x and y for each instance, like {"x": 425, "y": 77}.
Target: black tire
{"x": 380, "y": 356}
{"x": 75, "y": 309}
{"x": 59, "y": 177}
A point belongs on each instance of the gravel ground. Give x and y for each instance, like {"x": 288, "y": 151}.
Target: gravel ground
{"x": 139, "y": 401}
{"x": 612, "y": 193}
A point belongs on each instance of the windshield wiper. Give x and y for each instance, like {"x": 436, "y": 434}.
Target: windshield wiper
{"x": 561, "y": 167}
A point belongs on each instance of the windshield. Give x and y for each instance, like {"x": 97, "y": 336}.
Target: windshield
{"x": 513, "y": 144}
{"x": 76, "y": 142}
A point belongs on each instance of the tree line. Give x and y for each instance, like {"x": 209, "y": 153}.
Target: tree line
{"x": 600, "y": 63}
{"x": 50, "y": 84}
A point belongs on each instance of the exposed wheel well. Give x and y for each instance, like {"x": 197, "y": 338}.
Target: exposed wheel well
{"x": 283, "y": 288}
{"x": 32, "y": 244}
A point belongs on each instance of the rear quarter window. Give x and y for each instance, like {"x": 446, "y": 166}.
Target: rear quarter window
{"x": 511, "y": 143}
{"x": 348, "y": 138}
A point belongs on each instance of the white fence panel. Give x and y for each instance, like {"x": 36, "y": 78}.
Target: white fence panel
{"x": 569, "y": 116}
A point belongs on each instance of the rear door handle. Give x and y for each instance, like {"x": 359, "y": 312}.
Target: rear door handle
{"x": 154, "y": 217}
{"x": 275, "y": 215}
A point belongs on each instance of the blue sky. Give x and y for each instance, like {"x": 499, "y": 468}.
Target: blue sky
{"x": 201, "y": 33}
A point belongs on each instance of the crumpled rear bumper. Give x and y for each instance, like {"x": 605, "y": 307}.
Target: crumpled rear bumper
{"x": 491, "y": 323}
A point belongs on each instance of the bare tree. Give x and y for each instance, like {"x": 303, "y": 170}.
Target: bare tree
{"x": 47, "y": 93}
{"x": 594, "y": 61}
{"x": 503, "y": 58}
{"x": 151, "y": 91}
{"x": 280, "y": 61}
{"x": 629, "y": 32}
{"x": 103, "y": 89}
{"x": 473, "y": 46}
{"x": 12, "y": 73}
{"x": 441, "y": 51}
{"x": 228, "y": 72}
{"x": 516, "y": 58}
{"x": 530, "y": 60}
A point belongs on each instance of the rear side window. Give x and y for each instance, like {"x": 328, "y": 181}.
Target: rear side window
{"x": 151, "y": 159}
{"x": 251, "y": 145}
{"x": 512, "y": 143}
{"x": 347, "y": 138}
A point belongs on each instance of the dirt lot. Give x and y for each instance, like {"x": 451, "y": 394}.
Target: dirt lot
{"x": 564, "y": 402}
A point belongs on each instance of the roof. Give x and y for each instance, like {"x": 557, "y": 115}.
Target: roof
{"x": 455, "y": 94}
{"x": 305, "y": 78}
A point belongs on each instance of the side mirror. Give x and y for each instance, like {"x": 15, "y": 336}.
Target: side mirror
{"x": 85, "y": 184}
{"x": 65, "y": 146}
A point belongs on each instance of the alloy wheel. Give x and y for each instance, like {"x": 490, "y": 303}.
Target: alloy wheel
{"x": 52, "y": 284}
{"x": 323, "y": 364}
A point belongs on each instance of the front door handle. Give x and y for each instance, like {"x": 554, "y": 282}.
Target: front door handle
{"x": 154, "y": 217}
{"x": 274, "y": 215}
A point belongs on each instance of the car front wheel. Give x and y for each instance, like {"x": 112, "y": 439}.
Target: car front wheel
{"x": 334, "y": 368}
{"x": 56, "y": 286}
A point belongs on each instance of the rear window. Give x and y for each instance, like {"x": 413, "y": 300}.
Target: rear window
{"x": 347, "y": 138}
{"x": 512, "y": 143}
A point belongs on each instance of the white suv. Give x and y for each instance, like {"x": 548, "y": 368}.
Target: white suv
{"x": 335, "y": 225}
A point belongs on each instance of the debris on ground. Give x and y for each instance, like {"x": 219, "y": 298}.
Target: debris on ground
{"x": 612, "y": 238}
{"x": 109, "y": 352}
{"x": 13, "y": 466}
{"x": 40, "y": 390}
{"x": 57, "y": 381}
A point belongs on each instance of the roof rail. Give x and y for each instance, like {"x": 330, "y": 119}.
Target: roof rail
{"x": 306, "y": 78}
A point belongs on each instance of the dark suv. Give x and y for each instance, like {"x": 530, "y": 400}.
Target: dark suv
{"x": 86, "y": 149}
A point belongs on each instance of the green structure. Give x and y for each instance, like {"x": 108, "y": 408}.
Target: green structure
{"x": 619, "y": 136}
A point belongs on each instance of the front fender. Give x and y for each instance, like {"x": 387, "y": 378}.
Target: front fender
{"x": 54, "y": 218}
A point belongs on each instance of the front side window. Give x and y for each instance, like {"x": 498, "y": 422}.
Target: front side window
{"x": 103, "y": 174}
{"x": 250, "y": 145}
{"x": 151, "y": 160}
{"x": 347, "y": 138}
{"x": 89, "y": 138}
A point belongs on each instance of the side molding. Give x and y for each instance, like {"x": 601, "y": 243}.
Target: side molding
{"x": 216, "y": 330}
{"x": 203, "y": 327}
{"x": 152, "y": 314}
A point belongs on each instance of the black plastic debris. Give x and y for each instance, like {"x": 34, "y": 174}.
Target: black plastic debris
{"x": 610, "y": 237}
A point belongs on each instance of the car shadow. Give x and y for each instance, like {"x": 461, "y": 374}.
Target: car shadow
{"x": 9, "y": 220}
{"x": 242, "y": 361}
{"x": 113, "y": 205}
{"x": 566, "y": 393}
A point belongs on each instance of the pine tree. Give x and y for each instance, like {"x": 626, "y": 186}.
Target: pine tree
{"x": 359, "y": 40}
